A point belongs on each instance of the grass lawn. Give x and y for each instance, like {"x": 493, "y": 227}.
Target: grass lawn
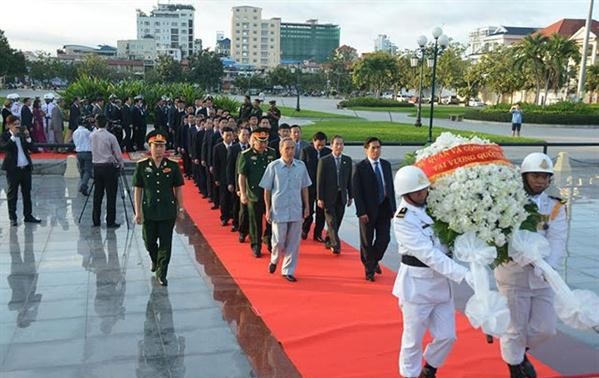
{"x": 290, "y": 112}
{"x": 358, "y": 131}
{"x": 441, "y": 111}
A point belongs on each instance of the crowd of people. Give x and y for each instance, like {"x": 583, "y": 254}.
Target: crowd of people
{"x": 271, "y": 186}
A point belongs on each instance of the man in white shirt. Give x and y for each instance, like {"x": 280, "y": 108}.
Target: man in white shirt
{"x": 82, "y": 140}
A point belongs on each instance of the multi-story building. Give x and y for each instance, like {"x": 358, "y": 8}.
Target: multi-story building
{"x": 171, "y": 26}
{"x": 310, "y": 41}
{"x": 137, "y": 49}
{"x": 76, "y": 53}
{"x": 575, "y": 29}
{"x": 223, "y": 47}
{"x": 383, "y": 43}
{"x": 488, "y": 38}
{"x": 255, "y": 41}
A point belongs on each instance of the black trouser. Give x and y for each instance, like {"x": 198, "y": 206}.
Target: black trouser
{"x": 319, "y": 222}
{"x": 19, "y": 177}
{"x": 255, "y": 213}
{"x": 160, "y": 254}
{"x": 379, "y": 231}
{"x": 225, "y": 202}
{"x": 106, "y": 178}
{"x": 139, "y": 134}
{"x": 208, "y": 177}
{"x": 333, "y": 215}
{"x": 186, "y": 163}
{"x": 214, "y": 191}
{"x": 128, "y": 141}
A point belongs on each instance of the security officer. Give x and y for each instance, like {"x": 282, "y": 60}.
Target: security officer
{"x": 529, "y": 297}
{"x": 273, "y": 115}
{"x": 251, "y": 166}
{"x": 423, "y": 280}
{"x": 138, "y": 120}
{"x": 158, "y": 202}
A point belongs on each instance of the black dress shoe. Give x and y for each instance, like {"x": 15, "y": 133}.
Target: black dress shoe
{"x": 14, "y": 223}
{"x": 162, "y": 281}
{"x": 304, "y": 235}
{"x": 256, "y": 252}
{"x": 370, "y": 277}
{"x": 32, "y": 219}
{"x": 290, "y": 277}
{"x": 113, "y": 225}
{"x": 153, "y": 268}
{"x": 318, "y": 239}
{"x": 378, "y": 269}
{"x": 528, "y": 368}
{"x": 214, "y": 207}
{"x": 336, "y": 250}
{"x": 272, "y": 267}
{"x": 234, "y": 229}
{"x": 224, "y": 222}
{"x": 242, "y": 238}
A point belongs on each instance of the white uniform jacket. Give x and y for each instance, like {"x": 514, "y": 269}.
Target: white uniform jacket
{"x": 415, "y": 237}
{"x": 555, "y": 228}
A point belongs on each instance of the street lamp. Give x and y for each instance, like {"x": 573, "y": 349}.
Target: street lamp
{"x": 441, "y": 42}
{"x": 419, "y": 57}
{"x": 297, "y": 90}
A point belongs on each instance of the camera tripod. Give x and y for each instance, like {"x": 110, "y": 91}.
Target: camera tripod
{"x": 122, "y": 182}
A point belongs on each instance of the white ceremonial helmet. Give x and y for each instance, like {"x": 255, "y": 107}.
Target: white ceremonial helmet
{"x": 410, "y": 179}
{"x": 49, "y": 96}
{"x": 537, "y": 162}
{"x": 13, "y": 96}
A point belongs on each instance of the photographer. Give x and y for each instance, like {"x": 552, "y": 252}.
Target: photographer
{"x": 107, "y": 161}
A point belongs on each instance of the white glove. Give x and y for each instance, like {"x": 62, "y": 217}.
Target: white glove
{"x": 469, "y": 279}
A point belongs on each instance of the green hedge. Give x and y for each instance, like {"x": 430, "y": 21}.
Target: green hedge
{"x": 92, "y": 88}
{"x": 373, "y": 102}
{"x": 541, "y": 117}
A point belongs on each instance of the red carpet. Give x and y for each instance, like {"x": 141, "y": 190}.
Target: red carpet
{"x": 332, "y": 322}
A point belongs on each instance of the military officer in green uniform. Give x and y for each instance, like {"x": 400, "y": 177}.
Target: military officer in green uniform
{"x": 251, "y": 165}
{"x": 158, "y": 201}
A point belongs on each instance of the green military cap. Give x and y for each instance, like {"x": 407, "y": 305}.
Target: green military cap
{"x": 156, "y": 136}
{"x": 261, "y": 134}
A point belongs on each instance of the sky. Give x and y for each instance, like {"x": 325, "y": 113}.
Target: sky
{"x": 54, "y": 23}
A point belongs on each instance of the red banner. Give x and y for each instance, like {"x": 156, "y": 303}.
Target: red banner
{"x": 461, "y": 156}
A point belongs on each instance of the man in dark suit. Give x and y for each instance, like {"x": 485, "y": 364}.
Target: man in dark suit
{"x": 219, "y": 162}
{"x": 310, "y": 156}
{"x": 183, "y": 143}
{"x": 140, "y": 126}
{"x": 197, "y": 157}
{"x": 74, "y": 117}
{"x": 374, "y": 197}
{"x": 126, "y": 122}
{"x": 240, "y": 212}
{"x": 334, "y": 190}
{"x": 27, "y": 114}
{"x": 17, "y": 164}
{"x": 160, "y": 115}
{"x": 296, "y": 135}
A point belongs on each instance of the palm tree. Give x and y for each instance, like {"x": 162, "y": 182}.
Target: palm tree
{"x": 530, "y": 53}
{"x": 592, "y": 82}
{"x": 560, "y": 53}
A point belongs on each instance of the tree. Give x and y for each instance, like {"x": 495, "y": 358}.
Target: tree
{"x": 530, "y": 53}
{"x": 592, "y": 82}
{"x": 451, "y": 67}
{"x": 497, "y": 73}
{"x": 206, "y": 69}
{"x": 339, "y": 65}
{"x": 375, "y": 72}
{"x": 12, "y": 62}
{"x": 403, "y": 75}
{"x": 95, "y": 67}
{"x": 469, "y": 85}
{"x": 560, "y": 51}
{"x": 168, "y": 70}
{"x": 281, "y": 76}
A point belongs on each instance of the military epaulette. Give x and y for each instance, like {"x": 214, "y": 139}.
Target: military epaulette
{"x": 561, "y": 200}
{"x": 401, "y": 213}
{"x": 173, "y": 160}
{"x": 143, "y": 159}
{"x": 247, "y": 151}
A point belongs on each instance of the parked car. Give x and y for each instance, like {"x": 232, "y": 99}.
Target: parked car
{"x": 450, "y": 100}
{"x": 475, "y": 102}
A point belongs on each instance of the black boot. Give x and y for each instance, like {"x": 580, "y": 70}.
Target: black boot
{"x": 528, "y": 368}
{"x": 516, "y": 371}
{"x": 428, "y": 371}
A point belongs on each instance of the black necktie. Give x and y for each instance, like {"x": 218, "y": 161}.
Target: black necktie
{"x": 379, "y": 181}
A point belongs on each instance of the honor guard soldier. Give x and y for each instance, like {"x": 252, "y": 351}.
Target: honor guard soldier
{"x": 423, "y": 280}
{"x": 529, "y": 297}
{"x": 251, "y": 167}
{"x": 15, "y": 108}
{"x": 158, "y": 202}
{"x": 47, "y": 108}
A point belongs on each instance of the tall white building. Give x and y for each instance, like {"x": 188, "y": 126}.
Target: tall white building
{"x": 136, "y": 49}
{"x": 255, "y": 41}
{"x": 488, "y": 38}
{"x": 383, "y": 43}
{"x": 171, "y": 26}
